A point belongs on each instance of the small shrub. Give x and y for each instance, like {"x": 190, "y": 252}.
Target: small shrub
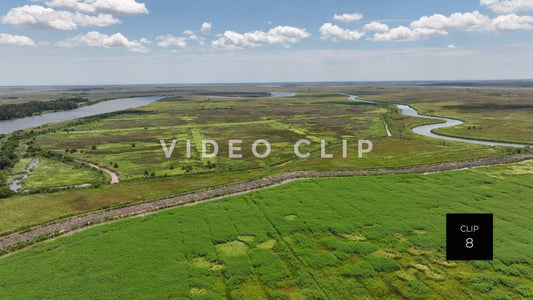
{"x": 381, "y": 263}
{"x": 278, "y": 295}
{"x": 187, "y": 168}
{"x": 314, "y": 295}
{"x": 497, "y": 295}
{"x": 401, "y": 247}
{"x": 484, "y": 278}
{"x": 524, "y": 291}
{"x": 6, "y": 192}
{"x": 342, "y": 256}
{"x": 303, "y": 241}
{"x": 480, "y": 264}
{"x": 483, "y": 287}
{"x": 361, "y": 269}
{"x": 483, "y": 283}
{"x": 234, "y": 281}
{"x": 364, "y": 248}
{"x": 305, "y": 280}
{"x": 319, "y": 259}
{"x": 418, "y": 287}
{"x": 522, "y": 269}
{"x": 506, "y": 281}
{"x": 350, "y": 246}
{"x": 236, "y": 294}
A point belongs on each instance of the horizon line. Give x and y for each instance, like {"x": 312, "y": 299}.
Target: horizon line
{"x": 276, "y": 83}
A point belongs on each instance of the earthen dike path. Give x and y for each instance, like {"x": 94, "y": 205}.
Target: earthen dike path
{"x": 19, "y": 240}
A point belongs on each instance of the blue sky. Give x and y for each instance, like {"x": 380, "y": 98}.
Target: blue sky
{"x": 162, "y": 41}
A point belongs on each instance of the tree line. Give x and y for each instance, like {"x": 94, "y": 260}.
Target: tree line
{"x": 8, "y": 158}
{"x": 20, "y": 110}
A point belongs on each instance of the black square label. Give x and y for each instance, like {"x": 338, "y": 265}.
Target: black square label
{"x": 469, "y": 237}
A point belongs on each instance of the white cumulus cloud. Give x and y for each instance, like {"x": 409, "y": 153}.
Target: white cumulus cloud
{"x": 171, "y": 41}
{"x": 512, "y": 22}
{"x": 402, "y": 33}
{"x": 348, "y": 17}
{"x": 469, "y": 21}
{"x": 15, "y": 40}
{"x": 179, "y": 41}
{"x": 36, "y": 16}
{"x": 278, "y": 35}
{"x": 206, "y": 27}
{"x": 438, "y": 24}
{"x": 119, "y": 7}
{"x": 72, "y": 5}
{"x": 335, "y": 33}
{"x": 193, "y": 37}
{"x": 376, "y": 26}
{"x": 97, "y": 39}
{"x": 508, "y": 6}
{"x": 144, "y": 41}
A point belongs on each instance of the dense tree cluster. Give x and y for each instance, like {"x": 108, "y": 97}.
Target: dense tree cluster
{"x": 8, "y": 158}
{"x": 20, "y": 110}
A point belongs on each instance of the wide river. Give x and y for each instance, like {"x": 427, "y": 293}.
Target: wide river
{"x": 9, "y": 126}
{"x": 104, "y": 107}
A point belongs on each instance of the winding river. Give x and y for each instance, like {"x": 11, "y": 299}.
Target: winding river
{"x": 427, "y": 130}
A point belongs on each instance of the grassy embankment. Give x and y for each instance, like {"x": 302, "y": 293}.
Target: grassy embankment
{"x": 338, "y": 238}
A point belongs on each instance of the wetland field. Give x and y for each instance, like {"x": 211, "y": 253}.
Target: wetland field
{"x": 376, "y": 236}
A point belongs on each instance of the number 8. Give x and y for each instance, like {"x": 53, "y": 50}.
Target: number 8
{"x": 469, "y": 243}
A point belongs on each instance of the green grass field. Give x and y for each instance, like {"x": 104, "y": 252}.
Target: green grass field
{"x": 131, "y": 138}
{"x": 339, "y": 238}
{"x": 23, "y": 210}
{"x": 21, "y": 166}
{"x": 128, "y": 143}
{"x": 50, "y": 173}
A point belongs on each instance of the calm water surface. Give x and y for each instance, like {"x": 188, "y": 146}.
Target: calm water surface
{"x": 9, "y": 126}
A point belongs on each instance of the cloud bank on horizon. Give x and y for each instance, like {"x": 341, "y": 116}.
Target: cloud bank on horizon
{"x": 111, "y": 24}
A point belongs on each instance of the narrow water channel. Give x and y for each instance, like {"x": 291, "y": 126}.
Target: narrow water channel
{"x": 18, "y": 181}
